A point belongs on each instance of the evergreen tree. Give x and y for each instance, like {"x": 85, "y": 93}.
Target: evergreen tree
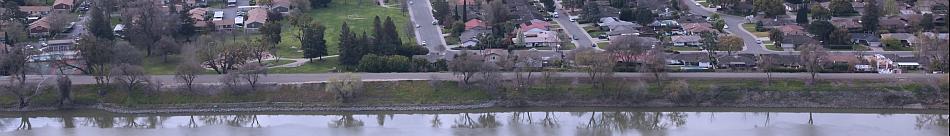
{"x": 872, "y": 12}
{"x": 626, "y": 14}
{"x": 99, "y": 23}
{"x": 350, "y": 51}
{"x": 927, "y": 22}
{"x": 802, "y": 17}
{"x": 392, "y": 37}
{"x": 312, "y": 42}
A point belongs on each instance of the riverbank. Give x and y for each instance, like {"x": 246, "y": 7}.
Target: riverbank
{"x": 450, "y": 95}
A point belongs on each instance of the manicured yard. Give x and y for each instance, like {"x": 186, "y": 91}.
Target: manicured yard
{"x": 357, "y": 14}
{"x": 603, "y": 45}
{"x": 315, "y": 66}
{"x": 751, "y": 28}
{"x": 771, "y": 46}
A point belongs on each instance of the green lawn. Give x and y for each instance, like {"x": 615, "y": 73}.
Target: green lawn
{"x": 771, "y": 46}
{"x": 359, "y": 16}
{"x": 271, "y": 63}
{"x": 603, "y": 45}
{"x": 751, "y": 28}
{"x": 315, "y": 66}
{"x": 897, "y": 48}
{"x": 155, "y": 65}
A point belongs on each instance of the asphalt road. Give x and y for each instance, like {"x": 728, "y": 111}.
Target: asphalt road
{"x": 316, "y": 78}
{"x": 574, "y": 30}
{"x": 420, "y": 12}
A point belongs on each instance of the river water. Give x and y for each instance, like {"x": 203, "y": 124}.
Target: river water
{"x": 549, "y": 122}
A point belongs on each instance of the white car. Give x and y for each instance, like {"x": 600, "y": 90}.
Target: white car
{"x": 418, "y": 26}
{"x": 725, "y": 27}
{"x": 410, "y": 2}
{"x": 423, "y": 43}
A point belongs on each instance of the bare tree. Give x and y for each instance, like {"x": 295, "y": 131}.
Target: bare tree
{"x": 345, "y": 86}
{"x": 596, "y": 65}
{"x": 932, "y": 52}
{"x": 656, "y": 64}
{"x": 15, "y": 64}
{"x": 251, "y": 74}
{"x": 58, "y": 22}
{"x": 222, "y": 57}
{"x": 524, "y": 67}
{"x": 766, "y": 64}
{"x": 811, "y": 57}
{"x": 189, "y": 68}
{"x": 730, "y": 44}
{"x": 167, "y": 46}
{"x": 628, "y": 47}
{"x": 131, "y": 76}
{"x": 465, "y": 66}
{"x": 146, "y": 23}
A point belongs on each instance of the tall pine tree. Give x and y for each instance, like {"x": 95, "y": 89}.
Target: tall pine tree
{"x": 350, "y": 51}
{"x": 312, "y": 42}
{"x": 872, "y": 12}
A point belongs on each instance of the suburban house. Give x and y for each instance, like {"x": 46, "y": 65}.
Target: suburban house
{"x": 494, "y": 55}
{"x": 662, "y": 24}
{"x": 540, "y": 38}
{"x": 736, "y": 62}
{"x": 616, "y": 27}
{"x": 256, "y": 18}
{"x": 772, "y": 22}
{"x": 849, "y": 24}
{"x": 535, "y": 24}
{"x": 224, "y": 24}
{"x": 36, "y": 11}
{"x": 904, "y": 62}
{"x": 281, "y": 6}
{"x": 692, "y": 61}
{"x": 866, "y": 39}
{"x": 698, "y": 28}
{"x": 475, "y": 24}
{"x": 686, "y": 40}
{"x": 64, "y": 5}
{"x": 905, "y": 38}
{"x": 780, "y": 62}
{"x": 842, "y": 62}
{"x": 39, "y": 27}
{"x": 200, "y": 15}
{"x": 59, "y": 45}
{"x": 793, "y": 41}
{"x": 790, "y": 30}
{"x": 894, "y": 24}
{"x": 469, "y": 38}
{"x": 612, "y": 23}
{"x": 473, "y": 29}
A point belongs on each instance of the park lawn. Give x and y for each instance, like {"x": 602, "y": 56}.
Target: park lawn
{"x": 751, "y": 28}
{"x": 155, "y": 66}
{"x": 316, "y": 66}
{"x": 271, "y": 63}
{"x": 357, "y": 14}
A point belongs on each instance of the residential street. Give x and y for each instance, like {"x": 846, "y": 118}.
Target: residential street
{"x": 420, "y": 13}
{"x": 735, "y": 27}
{"x": 313, "y": 78}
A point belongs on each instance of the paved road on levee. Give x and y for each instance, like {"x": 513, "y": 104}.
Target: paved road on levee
{"x": 315, "y": 78}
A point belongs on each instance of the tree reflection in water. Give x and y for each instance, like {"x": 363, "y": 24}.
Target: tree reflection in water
{"x": 346, "y": 121}
{"x": 646, "y": 123}
{"x": 926, "y": 120}
{"x": 231, "y": 120}
{"x": 101, "y": 121}
{"x": 487, "y": 120}
{"x": 25, "y": 123}
{"x": 436, "y": 122}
